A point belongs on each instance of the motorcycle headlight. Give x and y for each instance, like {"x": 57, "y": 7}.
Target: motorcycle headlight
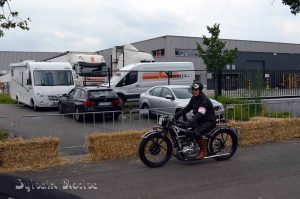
{"x": 160, "y": 121}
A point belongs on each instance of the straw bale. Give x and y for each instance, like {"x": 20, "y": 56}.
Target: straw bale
{"x": 263, "y": 130}
{"x": 22, "y": 153}
{"x": 104, "y": 146}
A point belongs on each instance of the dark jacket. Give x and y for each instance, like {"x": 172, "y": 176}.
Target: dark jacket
{"x": 203, "y": 110}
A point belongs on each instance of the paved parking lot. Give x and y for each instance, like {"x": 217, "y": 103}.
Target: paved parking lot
{"x": 49, "y": 122}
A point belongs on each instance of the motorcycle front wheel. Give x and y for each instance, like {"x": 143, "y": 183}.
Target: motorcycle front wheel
{"x": 155, "y": 150}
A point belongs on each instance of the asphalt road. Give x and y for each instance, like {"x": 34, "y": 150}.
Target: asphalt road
{"x": 270, "y": 171}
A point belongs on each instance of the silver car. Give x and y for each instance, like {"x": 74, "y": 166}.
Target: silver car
{"x": 170, "y": 99}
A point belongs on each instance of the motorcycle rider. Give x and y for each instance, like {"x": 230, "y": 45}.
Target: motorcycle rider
{"x": 204, "y": 119}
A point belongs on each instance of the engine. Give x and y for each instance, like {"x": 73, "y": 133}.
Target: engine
{"x": 189, "y": 148}
{"x": 191, "y": 151}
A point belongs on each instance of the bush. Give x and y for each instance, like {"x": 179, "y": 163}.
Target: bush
{"x": 228, "y": 100}
{"x": 240, "y": 110}
{"x": 3, "y": 135}
{"x": 5, "y": 99}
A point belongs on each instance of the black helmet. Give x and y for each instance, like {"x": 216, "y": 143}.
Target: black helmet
{"x": 197, "y": 85}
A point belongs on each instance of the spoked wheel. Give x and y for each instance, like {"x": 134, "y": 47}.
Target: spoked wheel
{"x": 155, "y": 150}
{"x": 223, "y": 144}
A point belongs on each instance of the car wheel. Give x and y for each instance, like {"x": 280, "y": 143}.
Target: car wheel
{"x": 60, "y": 108}
{"x": 116, "y": 116}
{"x": 18, "y": 102}
{"x": 146, "y": 111}
{"x": 78, "y": 117}
{"x": 35, "y": 107}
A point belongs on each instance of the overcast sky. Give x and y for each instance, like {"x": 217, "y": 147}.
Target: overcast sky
{"x": 90, "y": 25}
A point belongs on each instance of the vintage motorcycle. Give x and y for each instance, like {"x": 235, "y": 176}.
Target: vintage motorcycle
{"x": 157, "y": 146}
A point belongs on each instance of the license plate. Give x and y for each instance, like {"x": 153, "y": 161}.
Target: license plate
{"x": 104, "y": 103}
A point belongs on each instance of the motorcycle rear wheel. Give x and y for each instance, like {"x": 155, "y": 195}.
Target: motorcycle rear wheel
{"x": 155, "y": 150}
{"x": 224, "y": 144}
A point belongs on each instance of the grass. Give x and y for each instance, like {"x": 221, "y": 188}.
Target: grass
{"x": 3, "y": 135}
{"x": 5, "y": 99}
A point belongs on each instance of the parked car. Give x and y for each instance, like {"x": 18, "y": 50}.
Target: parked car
{"x": 90, "y": 100}
{"x": 170, "y": 99}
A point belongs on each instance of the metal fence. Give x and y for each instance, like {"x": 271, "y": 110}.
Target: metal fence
{"x": 6, "y": 125}
{"x": 260, "y": 84}
{"x": 4, "y": 87}
{"x": 73, "y": 134}
{"x": 246, "y": 111}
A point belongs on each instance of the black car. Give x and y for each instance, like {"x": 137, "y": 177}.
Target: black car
{"x": 91, "y": 100}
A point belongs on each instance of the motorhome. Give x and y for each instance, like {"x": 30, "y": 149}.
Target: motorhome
{"x": 40, "y": 84}
{"x": 90, "y": 68}
{"x": 132, "y": 80}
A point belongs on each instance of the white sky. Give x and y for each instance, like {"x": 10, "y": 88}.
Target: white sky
{"x": 90, "y": 25}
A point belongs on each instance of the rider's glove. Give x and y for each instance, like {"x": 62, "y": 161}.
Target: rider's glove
{"x": 186, "y": 124}
{"x": 176, "y": 117}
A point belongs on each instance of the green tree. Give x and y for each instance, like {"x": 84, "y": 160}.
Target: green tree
{"x": 214, "y": 55}
{"x": 294, "y": 5}
{"x": 10, "y": 19}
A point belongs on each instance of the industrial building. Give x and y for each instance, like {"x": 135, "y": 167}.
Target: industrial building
{"x": 252, "y": 55}
{"x": 274, "y": 59}
{"x": 8, "y": 57}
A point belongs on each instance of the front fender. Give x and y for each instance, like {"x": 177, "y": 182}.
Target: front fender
{"x": 146, "y": 135}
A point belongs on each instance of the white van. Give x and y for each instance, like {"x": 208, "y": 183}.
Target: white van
{"x": 132, "y": 80}
{"x": 39, "y": 84}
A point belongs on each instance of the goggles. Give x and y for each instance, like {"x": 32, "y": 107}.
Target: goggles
{"x": 194, "y": 86}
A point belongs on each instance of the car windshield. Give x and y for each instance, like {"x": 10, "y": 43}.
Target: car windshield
{"x": 182, "y": 93}
{"x": 116, "y": 77}
{"x": 53, "y": 78}
{"x": 101, "y": 93}
{"x": 92, "y": 68}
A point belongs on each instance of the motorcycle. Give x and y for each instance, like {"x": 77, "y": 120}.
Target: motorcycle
{"x": 157, "y": 146}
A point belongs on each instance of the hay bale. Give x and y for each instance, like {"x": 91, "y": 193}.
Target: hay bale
{"x": 263, "y": 130}
{"x": 35, "y": 153}
{"x": 104, "y": 146}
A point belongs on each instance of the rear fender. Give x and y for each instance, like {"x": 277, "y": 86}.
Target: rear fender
{"x": 225, "y": 128}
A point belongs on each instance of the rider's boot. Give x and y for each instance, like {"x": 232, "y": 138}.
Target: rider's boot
{"x": 203, "y": 152}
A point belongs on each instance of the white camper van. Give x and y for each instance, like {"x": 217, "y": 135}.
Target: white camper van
{"x": 39, "y": 84}
{"x": 132, "y": 80}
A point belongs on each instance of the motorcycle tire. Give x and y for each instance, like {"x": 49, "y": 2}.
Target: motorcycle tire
{"x": 155, "y": 141}
{"x": 221, "y": 140}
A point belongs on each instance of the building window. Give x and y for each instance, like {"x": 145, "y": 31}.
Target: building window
{"x": 158, "y": 53}
{"x": 186, "y": 52}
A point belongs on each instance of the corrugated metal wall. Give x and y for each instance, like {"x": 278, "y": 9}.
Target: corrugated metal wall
{"x": 170, "y": 43}
{"x": 275, "y": 56}
{"x": 7, "y": 57}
